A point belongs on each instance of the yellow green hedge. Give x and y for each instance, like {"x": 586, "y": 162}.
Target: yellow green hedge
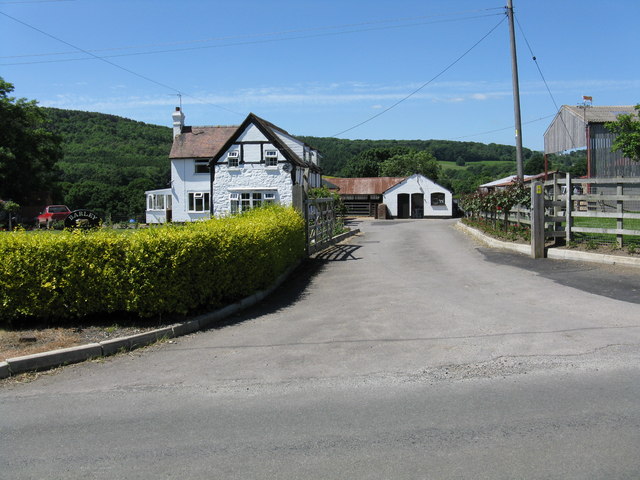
{"x": 161, "y": 270}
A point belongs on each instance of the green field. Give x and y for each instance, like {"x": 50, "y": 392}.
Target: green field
{"x": 453, "y": 166}
{"x": 629, "y": 224}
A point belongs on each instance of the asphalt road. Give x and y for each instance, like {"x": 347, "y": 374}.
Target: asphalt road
{"x": 408, "y": 352}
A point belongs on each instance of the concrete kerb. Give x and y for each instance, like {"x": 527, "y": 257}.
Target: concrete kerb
{"x": 65, "y": 356}
{"x": 492, "y": 242}
{"x": 110, "y": 347}
{"x": 55, "y": 358}
{"x": 553, "y": 253}
{"x": 4, "y": 370}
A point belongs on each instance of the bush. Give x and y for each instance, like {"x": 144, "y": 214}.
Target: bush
{"x": 164, "y": 270}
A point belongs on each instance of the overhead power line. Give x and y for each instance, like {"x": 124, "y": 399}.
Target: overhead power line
{"x": 139, "y": 75}
{"x": 35, "y": 1}
{"x": 257, "y": 35}
{"x": 544, "y": 80}
{"x": 260, "y": 40}
{"x": 502, "y": 129}
{"x": 442, "y": 72}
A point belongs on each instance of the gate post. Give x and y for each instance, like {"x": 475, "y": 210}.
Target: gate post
{"x": 568, "y": 209}
{"x": 537, "y": 220}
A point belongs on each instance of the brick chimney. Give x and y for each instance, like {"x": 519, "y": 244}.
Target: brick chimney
{"x": 178, "y": 121}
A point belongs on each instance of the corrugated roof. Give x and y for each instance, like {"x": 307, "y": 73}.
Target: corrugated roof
{"x": 366, "y": 186}
{"x": 200, "y": 142}
{"x": 600, "y": 113}
{"x": 501, "y": 182}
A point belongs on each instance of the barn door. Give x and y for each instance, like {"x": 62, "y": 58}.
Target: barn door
{"x": 417, "y": 205}
{"x": 404, "y": 205}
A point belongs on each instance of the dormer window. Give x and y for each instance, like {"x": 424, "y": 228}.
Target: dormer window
{"x": 233, "y": 159}
{"x": 271, "y": 158}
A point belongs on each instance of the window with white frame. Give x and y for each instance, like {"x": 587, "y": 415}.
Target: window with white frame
{"x": 202, "y": 166}
{"x": 199, "y": 201}
{"x": 243, "y": 201}
{"x": 156, "y": 201}
{"x": 233, "y": 159}
{"x": 271, "y": 158}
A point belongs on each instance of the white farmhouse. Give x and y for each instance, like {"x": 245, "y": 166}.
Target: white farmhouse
{"x": 227, "y": 169}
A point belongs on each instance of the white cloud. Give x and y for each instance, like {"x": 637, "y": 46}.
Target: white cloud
{"x": 377, "y": 96}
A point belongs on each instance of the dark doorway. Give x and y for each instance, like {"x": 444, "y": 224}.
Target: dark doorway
{"x": 417, "y": 205}
{"x": 403, "y": 205}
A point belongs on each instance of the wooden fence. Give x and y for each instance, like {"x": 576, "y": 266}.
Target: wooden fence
{"x": 602, "y": 200}
{"x": 594, "y": 210}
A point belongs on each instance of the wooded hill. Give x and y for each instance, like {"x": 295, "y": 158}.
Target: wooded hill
{"x": 337, "y": 152}
{"x": 109, "y": 161}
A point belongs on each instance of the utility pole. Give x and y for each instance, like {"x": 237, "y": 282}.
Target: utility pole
{"x": 516, "y": 91}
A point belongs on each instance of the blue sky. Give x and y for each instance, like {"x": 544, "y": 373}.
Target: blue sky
{"x": 320, "y": 68}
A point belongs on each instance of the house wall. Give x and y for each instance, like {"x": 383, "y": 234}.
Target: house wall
{"x": 160, "y": 215}
{"x": 184, "y": 180}
{"x": 419, "y": 184}
{"x": 252, "y": 174}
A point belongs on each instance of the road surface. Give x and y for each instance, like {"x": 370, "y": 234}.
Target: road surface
{"x": 407, "y": 352}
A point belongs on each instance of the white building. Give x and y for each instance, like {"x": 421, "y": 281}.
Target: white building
{"x": 223, "y": 170}
{"x": 404, "y": 197}
{"x": 418, "y": 197}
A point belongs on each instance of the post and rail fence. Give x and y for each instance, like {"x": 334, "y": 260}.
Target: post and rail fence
{"x": 573, "y": 211}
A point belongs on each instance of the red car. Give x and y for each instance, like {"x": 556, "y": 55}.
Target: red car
{"x": 51, "y": 214}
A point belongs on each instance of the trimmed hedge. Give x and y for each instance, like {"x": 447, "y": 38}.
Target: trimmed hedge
{"x": 162, "y": 270}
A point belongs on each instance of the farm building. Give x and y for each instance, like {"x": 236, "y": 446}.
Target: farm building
{"x": 404, "y": 197}
{"x": 576, "y": 127}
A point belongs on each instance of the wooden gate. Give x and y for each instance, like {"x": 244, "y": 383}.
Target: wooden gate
{"x": 320, "y": 219}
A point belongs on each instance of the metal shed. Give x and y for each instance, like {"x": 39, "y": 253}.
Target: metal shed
{"x": 576, "y": 127}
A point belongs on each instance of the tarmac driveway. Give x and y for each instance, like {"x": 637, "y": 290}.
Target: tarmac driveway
{"x": 406, "y": 352}
{"x": 399, "y": 299}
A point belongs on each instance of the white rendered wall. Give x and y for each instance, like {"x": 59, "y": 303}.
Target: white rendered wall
{"x": 419, "y": 184}
{"x": 251, "y": 175}
{"x": 183, "y": 181}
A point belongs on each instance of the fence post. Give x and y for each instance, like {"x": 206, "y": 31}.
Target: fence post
{"x": 619, "y": 211}
{"x": 305, "y": 206}
{"x": 567, "y": 210}
{"x": 537, "y": 220}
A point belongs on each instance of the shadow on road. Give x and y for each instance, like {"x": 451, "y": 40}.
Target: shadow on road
{"x": 292, "y": 290}
{"x": 338, "y": 253}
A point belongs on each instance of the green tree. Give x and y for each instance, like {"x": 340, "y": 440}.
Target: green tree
{"x": 407, "y": 164}
{"x": 627, "y": 129}
{"x": 28, "y": 152}
{"x": 579, "y": 167}
{"x": 534, "y": 164}
{"x": 367, "y": 163}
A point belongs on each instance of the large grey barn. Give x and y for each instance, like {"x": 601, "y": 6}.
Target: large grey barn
{"x": 576, "y": 127}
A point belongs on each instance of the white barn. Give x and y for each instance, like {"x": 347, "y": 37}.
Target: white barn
{"x": 418, "y": 197}
{"x": 404, "y": 197}
{"x": 227, "y": 169}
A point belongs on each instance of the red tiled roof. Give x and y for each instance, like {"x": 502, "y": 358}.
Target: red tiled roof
{"x": 200, "y": 142}
{"x": 365, "y": 186}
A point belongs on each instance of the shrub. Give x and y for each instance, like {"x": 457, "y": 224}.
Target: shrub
{"x": 164, "y": 270}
